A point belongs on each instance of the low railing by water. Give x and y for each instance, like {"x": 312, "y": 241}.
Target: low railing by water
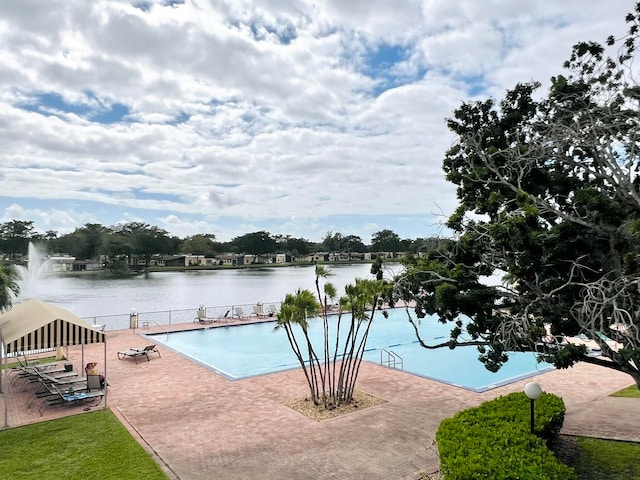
{"x": 166, "y": 317}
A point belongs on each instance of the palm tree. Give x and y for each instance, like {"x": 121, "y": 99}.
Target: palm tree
{"x": 296, "y": 309}
{"x": 329, "y": 294}
{"x": 8, "y": 286}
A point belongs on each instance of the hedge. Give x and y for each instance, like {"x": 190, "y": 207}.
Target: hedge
{"x": 494, "y": 440}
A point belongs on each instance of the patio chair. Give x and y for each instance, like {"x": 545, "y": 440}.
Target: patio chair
{"x": 30, "y": 373}
{"x": 70, "y": 397}
{"x": 25, "y": 362}
{"x": 202, "y": 316}
{"x": 136, "y": 353}
{"x": 93, "y": 382}
{"x": 25, "y": 365}
{"x": 63, "y": 379}
{"x": 273, "y": 310}
{"x": 48, "y": 392}
{"x": 34, "y": 375}
{"x": 259, "y": 311}
{"x": 239, "y": 314}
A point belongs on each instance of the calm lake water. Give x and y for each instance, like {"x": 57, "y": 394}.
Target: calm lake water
{"x": 184, "y": 291}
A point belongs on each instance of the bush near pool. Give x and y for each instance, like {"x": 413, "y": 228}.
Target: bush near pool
{"x": 494, "y": 440}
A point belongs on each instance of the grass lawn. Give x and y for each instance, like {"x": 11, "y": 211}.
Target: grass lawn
{"x": 630, "y": 392}
{"x": 90, "y": 446}
{"x": 607, "y": 459}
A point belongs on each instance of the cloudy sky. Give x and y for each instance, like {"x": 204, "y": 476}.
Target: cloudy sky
{"x": 228, "y": 117}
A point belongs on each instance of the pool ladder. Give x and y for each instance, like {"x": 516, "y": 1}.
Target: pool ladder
{"x": 392, "y": 359}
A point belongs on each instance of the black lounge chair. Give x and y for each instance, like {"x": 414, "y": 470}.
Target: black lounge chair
{"x": 48, "y": 392}
{"x": 203, "y": 319}
{"x": 136, "y": 353}
{"x": 69, "y": 397}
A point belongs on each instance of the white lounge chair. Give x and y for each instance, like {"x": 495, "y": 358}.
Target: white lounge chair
{"x": 202, "y": 316}
{"x": 239, "y": 314}
{"x": 259, "y": 311}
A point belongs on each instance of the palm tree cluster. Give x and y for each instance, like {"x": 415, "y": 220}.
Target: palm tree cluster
{"x": 331, "y": 375}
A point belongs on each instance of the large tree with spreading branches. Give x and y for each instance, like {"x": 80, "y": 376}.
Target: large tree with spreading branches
{"x": 549, "y": 196}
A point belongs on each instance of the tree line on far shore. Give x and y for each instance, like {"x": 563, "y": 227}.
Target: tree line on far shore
{"x": 137, "y": 239}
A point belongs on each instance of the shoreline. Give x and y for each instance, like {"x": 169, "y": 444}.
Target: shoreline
{"x": 155, "y": 269}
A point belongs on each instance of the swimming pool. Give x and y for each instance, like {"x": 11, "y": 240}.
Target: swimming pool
{"x": 247, "y": 350}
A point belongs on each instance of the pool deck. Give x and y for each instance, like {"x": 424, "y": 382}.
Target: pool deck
{"x": 198, "y": 425}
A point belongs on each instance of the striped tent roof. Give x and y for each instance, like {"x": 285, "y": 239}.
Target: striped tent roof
{"x": 34, "y": 325}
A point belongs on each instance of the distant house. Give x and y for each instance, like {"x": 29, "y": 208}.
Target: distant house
{"x": 175, "y": 261}
{"x": 258, "y": 259}
{"x": 338, "y": 257}
{"x": 230, "y": 259}
{"x": 87, "y": 266}
{"x": 157, "y": 261}
{"x": 266, "y": 258}
{"x": 67, "y": 263}
{"x": 62, "y": 263}
{"x": 209, "y": 261}
{"x": 195, "y": 260}
{"x": 282, "y": 258}
{"x": 318, "y": 257}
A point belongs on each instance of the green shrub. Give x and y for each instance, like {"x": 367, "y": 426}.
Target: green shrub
{"x": 494, "y": 440}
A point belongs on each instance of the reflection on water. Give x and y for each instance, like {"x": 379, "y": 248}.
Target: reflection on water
{"x": 162, "y": 291}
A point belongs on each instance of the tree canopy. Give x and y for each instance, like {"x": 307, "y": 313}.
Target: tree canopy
{"x": 256, "y": 243}
{"x": 15, "y": 236}
{"x": 201, "y": 244}
{"x": 549, "y": 197}
{"x": 386, "y": 241}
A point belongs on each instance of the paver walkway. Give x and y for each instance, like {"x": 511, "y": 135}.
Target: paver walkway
{"x": 202, "y": 426}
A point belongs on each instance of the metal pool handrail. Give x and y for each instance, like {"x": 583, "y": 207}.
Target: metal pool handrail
{"x": 393, "y": 359}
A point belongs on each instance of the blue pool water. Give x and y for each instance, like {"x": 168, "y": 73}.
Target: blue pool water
{"x": 242, "y": 351}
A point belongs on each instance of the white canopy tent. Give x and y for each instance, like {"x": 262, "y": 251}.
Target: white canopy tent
{"x": 35, "y": 325}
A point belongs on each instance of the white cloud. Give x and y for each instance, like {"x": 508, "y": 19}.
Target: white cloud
{"x": 259, "y": 112}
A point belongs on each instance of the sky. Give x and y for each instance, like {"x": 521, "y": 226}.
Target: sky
{"x": 229, "y": 117}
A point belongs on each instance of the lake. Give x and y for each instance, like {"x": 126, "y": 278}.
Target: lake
{"x": 182, "y": 292}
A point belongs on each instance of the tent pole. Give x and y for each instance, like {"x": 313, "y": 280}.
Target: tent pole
{"x": 6, "y": 395}
{"x": 106, "y": 378}
{"x": 5, "y": 386}
{"x": 3, "y": 361}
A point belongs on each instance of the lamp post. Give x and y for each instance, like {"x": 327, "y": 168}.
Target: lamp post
{"x": 533, "y": 391}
